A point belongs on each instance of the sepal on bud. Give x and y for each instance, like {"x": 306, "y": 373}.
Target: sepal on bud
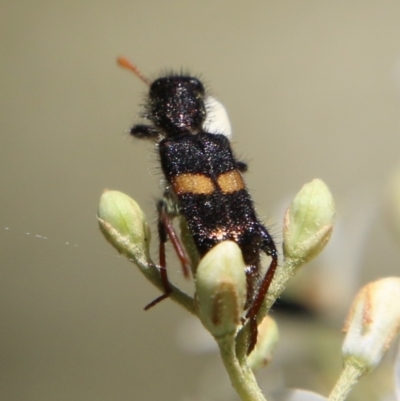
{"x": 221, "y": 289}
{"x": 308, "y": 222}
{"x": 124, "y": 225}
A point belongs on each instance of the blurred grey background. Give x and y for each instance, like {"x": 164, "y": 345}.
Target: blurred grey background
{"x": 312, "y": 90}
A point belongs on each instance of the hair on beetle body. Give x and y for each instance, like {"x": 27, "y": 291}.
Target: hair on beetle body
{"x": 204, "y": 182}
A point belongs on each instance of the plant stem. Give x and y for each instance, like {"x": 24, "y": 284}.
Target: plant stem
{"x": 152, "y": 273}
{"x": 351, "y": 374}
{"x": 282, "y": 275}
{"x": 242, "y": 377}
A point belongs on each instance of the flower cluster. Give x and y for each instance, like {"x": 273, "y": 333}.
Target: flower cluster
{"x": 220, "y": 295}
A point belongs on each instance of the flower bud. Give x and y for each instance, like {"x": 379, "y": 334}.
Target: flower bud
{"x": 221, "y": 289}
{"x": 308, "y": 222}
{"x": 268, "y": 336}
{"x": 299, "y": 395}
{"x": 373, "y": 322}
{"x": 124, "y": 225}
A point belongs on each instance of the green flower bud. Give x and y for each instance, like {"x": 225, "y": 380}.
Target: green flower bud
{"x": 221, "y": 289}
{"x": 124, "y": 226}
{"x": 268, "y": 336}
{"x": 373, "y": 322}
{"x": 308, "y": 222}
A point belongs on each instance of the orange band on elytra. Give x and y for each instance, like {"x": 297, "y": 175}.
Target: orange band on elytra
{"x": 230, "y": 182}
{"x": 197, "y": 184}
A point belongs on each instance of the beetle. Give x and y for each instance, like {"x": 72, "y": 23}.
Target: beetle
{"x": 203, "y": 182}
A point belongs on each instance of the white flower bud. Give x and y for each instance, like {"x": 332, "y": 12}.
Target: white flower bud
{"x": 373, "y": 322}
{"x": 299, "y": 395}
{"x": 308, "y": 222}
{"x": 221, "y": 289}
{"x": 217, "y": 120}
{"x": 124, "y": 225}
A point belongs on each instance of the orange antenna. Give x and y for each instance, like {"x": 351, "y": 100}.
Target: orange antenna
{"x": 125, "y": 63}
